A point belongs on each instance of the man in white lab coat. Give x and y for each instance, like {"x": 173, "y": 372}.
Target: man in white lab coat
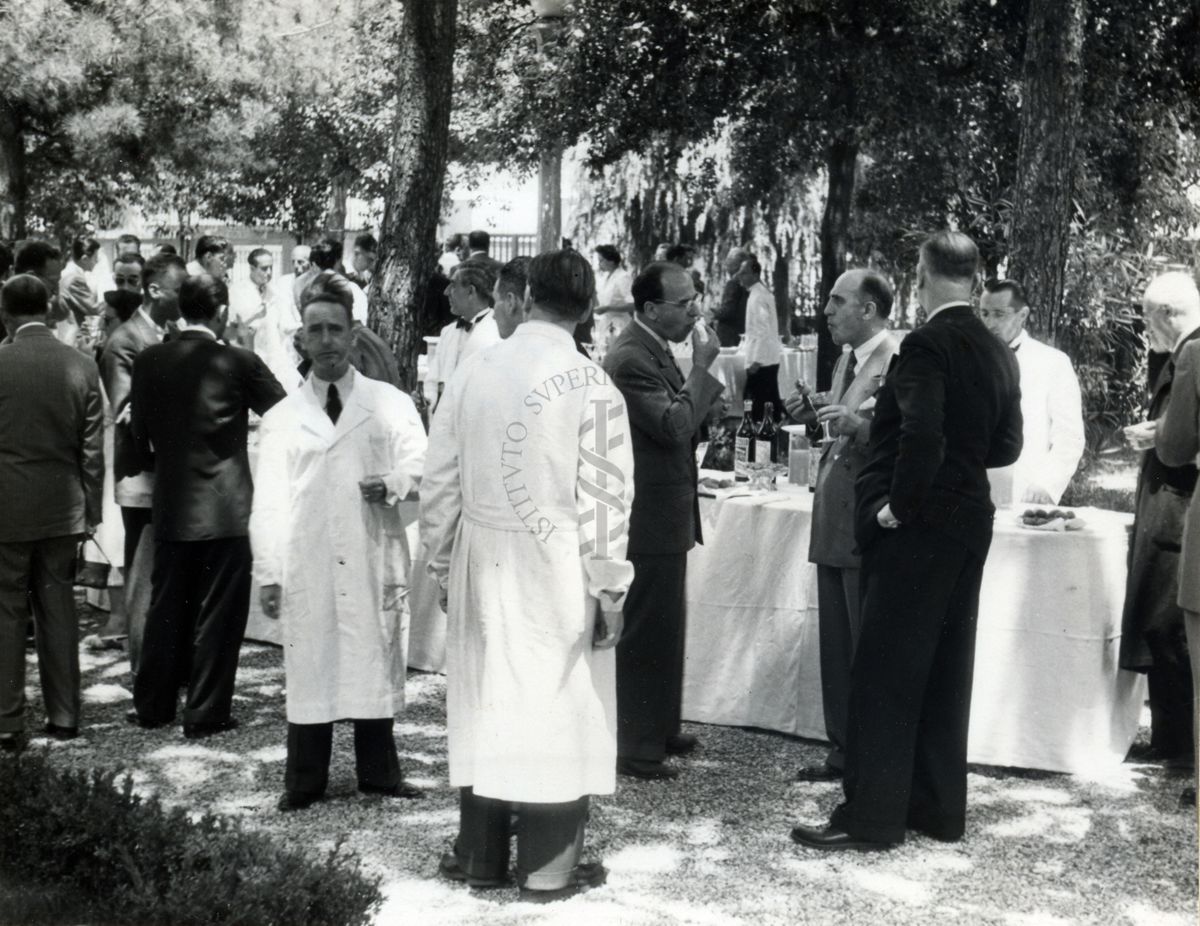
{"x": 524, "y": 511}
{"x": 470, "y": 293}
{"x": 1051, "y": 405}
{"x": 330, "y": 554}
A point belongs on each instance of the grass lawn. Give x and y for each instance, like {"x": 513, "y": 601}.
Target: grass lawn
{"x": 711, "y": 848}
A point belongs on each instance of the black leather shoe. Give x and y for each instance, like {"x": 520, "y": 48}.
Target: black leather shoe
{"x": 681, "y": 744}
{"x": 584, "y": 877}
{"x": 54, "y": 731}
{"x": 832, "y": 839}
{"x": 822, "y": 772}
{"x": 291, "y": 800}
{"x": 1187, "y": 797}
{"x": 402, "y": 790}
{"x": 646, "y": 770}
{"x": 133, "y": 718}
{"x": 198, "y": 731}
{"x": 449, "y": 869}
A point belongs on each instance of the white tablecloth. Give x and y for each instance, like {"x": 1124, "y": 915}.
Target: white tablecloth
{"x": 1048, "y": 693}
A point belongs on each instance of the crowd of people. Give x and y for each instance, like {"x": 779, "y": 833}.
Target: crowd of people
{"x": 558, "y": 502}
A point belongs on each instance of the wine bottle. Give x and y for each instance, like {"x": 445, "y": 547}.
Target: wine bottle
{"x": 766, "y": 448}
{"x": 743, "y": 441}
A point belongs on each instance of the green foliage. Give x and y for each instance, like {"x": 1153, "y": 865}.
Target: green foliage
{"x": 140, "y": 863}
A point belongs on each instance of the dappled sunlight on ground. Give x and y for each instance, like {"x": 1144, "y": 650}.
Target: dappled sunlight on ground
{"x": 711, "y": 848}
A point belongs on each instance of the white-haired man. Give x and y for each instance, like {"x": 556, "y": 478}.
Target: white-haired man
{"x": 1152, "y": 634}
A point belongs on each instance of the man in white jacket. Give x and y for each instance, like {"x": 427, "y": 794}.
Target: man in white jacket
{"x": 524, "y": 512}
{"x": 1050, "y": 404}
{"x": 330, "y": 553}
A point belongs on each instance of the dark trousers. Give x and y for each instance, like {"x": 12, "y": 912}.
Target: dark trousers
{"x": 910, "y": 688}
{"x": 198, "y": 608}
{"x": 650, "y": 657}
{"x": 39, "y": 574}
{"x": 549, "y": 839}
{"x": 309, "y": 746}
{"x": 134, "y": 520}
{"x": 762, "y": 386}
{"x": 1169, "y": 682}
{"x": 839, "y": 621}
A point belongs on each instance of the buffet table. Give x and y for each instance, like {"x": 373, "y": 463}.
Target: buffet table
{"x": 1048, "y": 693}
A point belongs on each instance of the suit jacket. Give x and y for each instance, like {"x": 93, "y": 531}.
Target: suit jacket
{"x": 1161, "y": 505}
{"x": 831, "y": 541}
{"x": 116, "y": 369}
{"x": 730, "y": 315}
{"x": 665, "y": 414}
{"x": 949, "y": 408}
{"x": 1177, "y": 442}
{"x": 191, "y": 402}
{"x": 51, "y": 438}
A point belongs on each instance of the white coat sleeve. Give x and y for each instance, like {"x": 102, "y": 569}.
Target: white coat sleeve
{"x": 269, "y": 513}
{"x": 604, "y": 493}
{"x": 441, "y": 488}
{"x": 407, "y": 445}
{"x": 1065, "y": 429}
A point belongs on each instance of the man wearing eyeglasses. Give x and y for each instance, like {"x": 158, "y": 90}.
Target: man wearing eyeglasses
{"x": 1051, "y": 404}
{"x": 665, "y": 413}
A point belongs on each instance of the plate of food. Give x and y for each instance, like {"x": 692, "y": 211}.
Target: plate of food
{"x": 1051, "y": 519}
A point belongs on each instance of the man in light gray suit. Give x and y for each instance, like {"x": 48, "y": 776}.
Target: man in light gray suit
{"x": 51, "y": 480}
{"x": 857, "y": 310}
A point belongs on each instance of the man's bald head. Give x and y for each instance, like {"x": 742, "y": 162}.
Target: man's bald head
{"x": 733, "y": 260}
{"x": 1171, "y": 308}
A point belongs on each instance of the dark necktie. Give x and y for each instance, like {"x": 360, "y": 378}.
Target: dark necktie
{"x": 333, "y": 403}
{"x": 848, "y": 376}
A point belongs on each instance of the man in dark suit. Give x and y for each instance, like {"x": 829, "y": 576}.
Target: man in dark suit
{"x": 191, "y": 401}
{"x": 665, "y": 413}
{"x": 858, "y": 309}
{"x": 52, "y": 482}
{"x": 1152, "y": 632}
{"x": 948, "y": 410}
{"x": 162, "y": 276}
{"x": 730, "y": 315}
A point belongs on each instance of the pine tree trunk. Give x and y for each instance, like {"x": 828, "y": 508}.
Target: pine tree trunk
{"x": 408, "y": 241}
{"x": 1051, "y": 96}
{"x": 841, "y": 163}
{"x": 13, "y": 181}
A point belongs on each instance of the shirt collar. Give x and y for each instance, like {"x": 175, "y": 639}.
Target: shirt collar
{"x": 185, "y": 325}
{"x": 141, "y": 310}
{"x": 867, "y": 347}
{"x": 344, "y": 386}
{"x": 21, "y": 328}
{"x": 947, "y": 305}
{"x": 654, "y": 334}
{"x": 1021, "y": 338}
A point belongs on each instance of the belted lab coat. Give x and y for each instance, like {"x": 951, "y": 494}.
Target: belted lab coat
{"x": 341, "y": 562}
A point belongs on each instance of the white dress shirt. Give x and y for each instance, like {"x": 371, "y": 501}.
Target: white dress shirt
{"x": 457, "y": 344}
{"x": 1052, "y": 407}
{"x": 762, "y": 344}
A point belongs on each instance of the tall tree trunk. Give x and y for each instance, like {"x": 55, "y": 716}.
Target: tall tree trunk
{"x": 421, "y": 133}
{"x": 841, "y": 162}
{"x": 335, "y": 212}
{"x": 14, "y": 187}
{"x": 1051, "y": 94}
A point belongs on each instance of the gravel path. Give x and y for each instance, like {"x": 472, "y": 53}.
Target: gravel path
{"x": 711, "y": 848}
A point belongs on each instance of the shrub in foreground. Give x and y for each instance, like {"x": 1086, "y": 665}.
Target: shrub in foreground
{"x": 144, "y": 864}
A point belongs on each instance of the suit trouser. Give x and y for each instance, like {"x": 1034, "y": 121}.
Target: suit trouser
{"x": 310, "y": 745}
{"x": 39, "y": 574}
{"x": 1191, "y": 621}
{"x": 549, "y": 839}
{"x": 839, "y": 621}
{"x": 1169, "y": 687}
{"x": 650, "y": 657}
{"x": 762, "y": 386}
{"x": 198, "y": 608}
{"x": 134, "y": 520}
{"x": 910, "y": 690}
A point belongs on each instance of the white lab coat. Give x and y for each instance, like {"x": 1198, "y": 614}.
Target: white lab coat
{"x": 456, "y": 344}
{"x": 762, "y": 344}
{"x": 1053, "y": 411}
{"x": 259, "y": 313}
{"x": 342, "y": 563}
{"x": 508, "y": 520}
